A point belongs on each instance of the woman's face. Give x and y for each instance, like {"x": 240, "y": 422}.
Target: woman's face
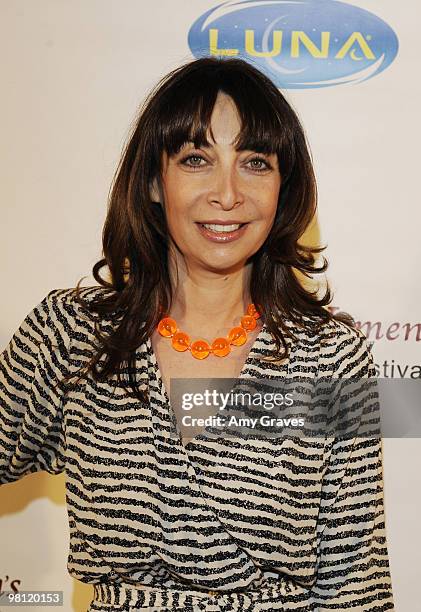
{"x": 218, "y": 185}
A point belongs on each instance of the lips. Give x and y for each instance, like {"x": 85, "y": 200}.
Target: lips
{"x": 222, "y": 227}
{"x": 222, "y": 236}
{"x": 217, "y": 222}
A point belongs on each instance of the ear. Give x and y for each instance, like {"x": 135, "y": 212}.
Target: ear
{"x": 154, "y": 191}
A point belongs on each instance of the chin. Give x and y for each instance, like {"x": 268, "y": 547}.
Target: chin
{"x": 226, "y": 265}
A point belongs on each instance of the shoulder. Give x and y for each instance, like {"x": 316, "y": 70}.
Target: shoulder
{"x": 69, "y": 296}
{"x": 341, "y": 350}
{"x": 53, "y": 325}
{"x": 67, "y": 311}
{"x": 68, "y": 299}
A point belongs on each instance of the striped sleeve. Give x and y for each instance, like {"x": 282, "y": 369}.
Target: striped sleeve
{"x": 353, "y": 566}
{"x": 31, "y": 419}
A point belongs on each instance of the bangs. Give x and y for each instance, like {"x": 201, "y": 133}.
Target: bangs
{"x": 265, "y": 123}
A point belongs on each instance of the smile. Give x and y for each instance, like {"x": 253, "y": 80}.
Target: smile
{"x": 222, "y": 233}
{"x": 222, "y": 228}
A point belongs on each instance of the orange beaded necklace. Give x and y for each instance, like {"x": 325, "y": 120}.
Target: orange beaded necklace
{"x": 220, "y": 347}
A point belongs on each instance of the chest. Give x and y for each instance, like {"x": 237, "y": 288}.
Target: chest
{"x": 175, "y": 365}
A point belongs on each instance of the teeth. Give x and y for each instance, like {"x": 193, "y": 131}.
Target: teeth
{"x": 222, "y": 228}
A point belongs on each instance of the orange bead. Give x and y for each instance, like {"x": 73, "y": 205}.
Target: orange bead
{"x": 220, "y": 347}
{"x": 167, "y": 327}
{"x": 237, "y": 336}
{"x": 248, "y": 322}
{"x": 200, "y": 349}
{"x": 251, "y": 310}
{"x": 180, "y": 341}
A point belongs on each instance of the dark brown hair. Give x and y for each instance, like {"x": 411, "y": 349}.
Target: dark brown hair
{"x": 135, "y": 237}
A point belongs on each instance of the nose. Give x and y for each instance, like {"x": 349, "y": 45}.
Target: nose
{"x": 225, "y": 190}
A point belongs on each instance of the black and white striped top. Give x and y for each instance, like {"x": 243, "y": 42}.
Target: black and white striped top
{"x": 219, "y": 525}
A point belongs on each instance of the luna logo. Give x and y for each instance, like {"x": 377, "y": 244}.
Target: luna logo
{"x": 299, "y": 44}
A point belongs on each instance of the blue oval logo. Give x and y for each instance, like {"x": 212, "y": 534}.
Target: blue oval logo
{"x": 299, "y": 44}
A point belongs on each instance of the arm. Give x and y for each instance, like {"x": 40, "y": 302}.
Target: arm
{"x": 353, "y": 567}
{"x": 31, "y": 419}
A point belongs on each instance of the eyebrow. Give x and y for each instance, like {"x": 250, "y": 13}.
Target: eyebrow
{"x": 207, "y": 145}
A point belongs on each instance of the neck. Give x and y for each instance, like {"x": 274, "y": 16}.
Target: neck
{"x": 210, "y": 302}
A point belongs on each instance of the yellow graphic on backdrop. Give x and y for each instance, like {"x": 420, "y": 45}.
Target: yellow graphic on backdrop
{"x": 299, "y": 39}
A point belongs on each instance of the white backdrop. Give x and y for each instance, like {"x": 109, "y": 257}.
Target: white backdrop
{"x": 74, "y": 73}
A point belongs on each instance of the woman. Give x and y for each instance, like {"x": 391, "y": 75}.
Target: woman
{"x": 213, "y": 192}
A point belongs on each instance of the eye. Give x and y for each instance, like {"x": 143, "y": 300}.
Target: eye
{"x": 194, "y": 158}
{"x": 260, "y": 160}
{"x": 190, "y": 157}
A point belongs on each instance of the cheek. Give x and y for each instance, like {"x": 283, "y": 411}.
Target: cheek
{"x": 267, "y": 197}
{"x": 268, "y": 209}
{"x": 179, "y": 196}
{"x": 174, "y": 205}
